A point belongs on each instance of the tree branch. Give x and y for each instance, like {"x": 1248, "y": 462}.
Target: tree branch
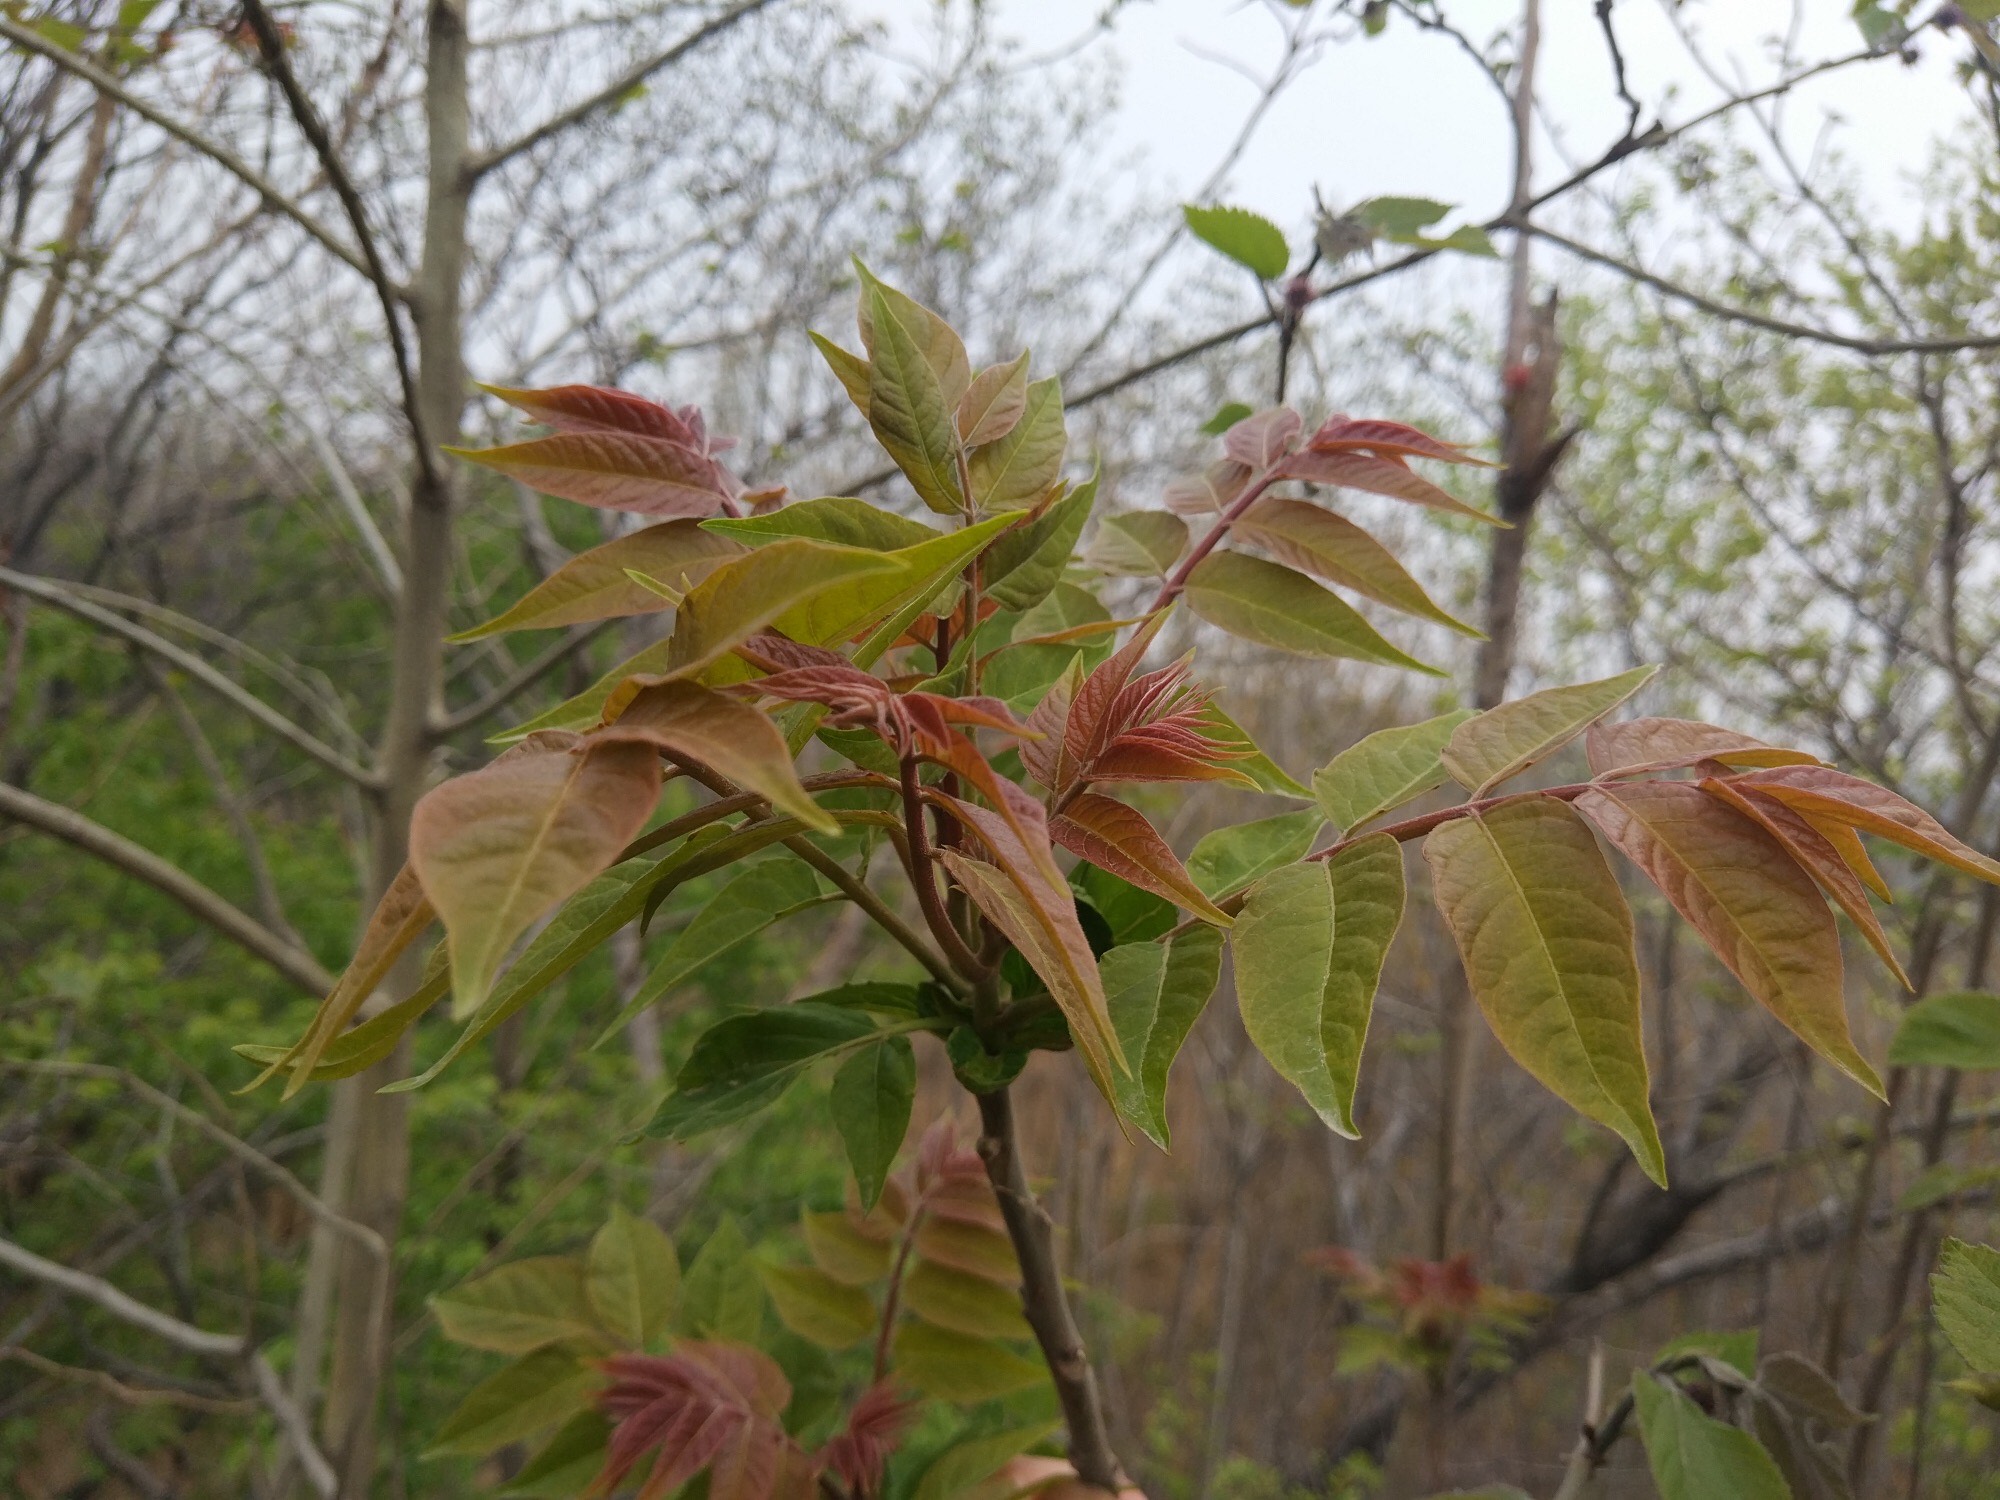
{"x": 33, "y": 41}
{"x": 50, "y": 592}
{"x": 291, "y": 1421}
{"x": 520, "y": 680}
{"x": 613, "y": 91}
{"x": 301, "y": 968}
{"x": 854, "y": 890}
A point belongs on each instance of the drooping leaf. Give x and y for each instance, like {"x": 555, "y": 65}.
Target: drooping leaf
{"x": 1225, "y": 861}
{"x": 872, "y": 1096}
{"x": 1632, "y": 747}
{"x": 1020, "y": 467}
{"x": 533, "y": 1394}
{"x": 730, "y": 738}
{"x": 1960, "y": 1029}
{"x": 1817, "y": 856}
{"x": 1309, "y": 952}
{"x": 818, "y": 1308}
{"x": 751, "y": 901}
{"x": 597, "y": 585}
{"x": 1341, "y": 433}
{"x": 1375, "y": 474}
{"x": 1761, "y": 914}
{"x": 1382, "y": 771}
{"x": 909, "y": 407}
{"x": 522, "y": 1306}
{"x": 953, "y": 1367}
{"x": 1489, "y": 748}
{"x": 1965, "y": 1295}
{"x": 993, "y": 403}
{"x": 1809, "y": 1391}
{"x": 1826, "y": 795}
{"x": 1546, "y": 940}
{"x": 360, "y": 1048}
{"x": 1115, "y": 836}
{"x": 1155, "y": 993}
{"x": 1303, "y": 536}
{"x": 858, "y": 1454}
{"x": 841, "y": 520}
{"x": 632, "y": 1278}
{"x": 742, "y": 1064}
{"x": 625, "y": 471}
{"x": 1695, "y": 1457}
{"x": 498, "y": 848}
{"x": 1024, "y": 566}
{"x": 1250, "y": 240}
{"x": 1138, "y": 544}
{"x": 1273, "y": 605}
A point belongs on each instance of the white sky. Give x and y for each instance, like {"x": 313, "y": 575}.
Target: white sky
{"x": 1408, "y": 113}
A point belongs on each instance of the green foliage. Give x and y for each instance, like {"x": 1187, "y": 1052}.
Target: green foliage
{"x": 1960, "y": 1029}
{"x": 1248, "y": 239}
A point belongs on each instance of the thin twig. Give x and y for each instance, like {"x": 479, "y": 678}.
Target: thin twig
{"x": 520, "y": 680}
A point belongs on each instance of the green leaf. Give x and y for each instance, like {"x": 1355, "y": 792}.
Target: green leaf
{"x": 532, "y": 1394}
{"x": 365, "y": 1045}
{"x": 1155, "y": 992}
{"x": 909, "y": 407}
{"x": 839, "y": 519}
{"x": 1248, "y": 239}
{"x": 1383, "y": 771}
{"x": 771, "y": 584}
{"x": 1467, "y": 239}
{"x": 951, "y": 1367}
{"x": 1302, "y": 535}
{"x": 1695, "y": 1457}
{"x": 745, "y": 1063}
{"x": 1965, "y": 1296}
{"x": 936, "y": 341}
{"x": 1736, "y": 1348}
{"x": 597, "y": 585}
{"x": 872, "y": 1095}
{"x": 1278, "y": 606}
{"x": 818, "y": 1308}
{"x": 1132, "y": 914}
{"x": 1546, "y": 940}
{"x": 744, "y": 907}
{"x": 1225, "y": 418}
{"x": 722, "y": 1296}
{"x": 850, "y": 369}
{"x": 1138, "y": 544}
{"x": 1246, "y": 758}
{"x": 632, "y": 1278}
{"x": 1024, "y": 566}
{"x": 1309, "y": 951}
{"x": 965, "y": 1464}
{"x": 520, "y": 1307}
{"x": 1956, "y": 1030}
{"x": 566, "y": 1464}
{"x": 1396, "y": 217}
{"x": 1225, "y": 861}
{"x": 843, "y": 1251}
{"x": 964, "y": 1303}
{"x": 1943, "y": 1180}
{"x": 1489, "y": 748}
{"x": 1019, "y": 468}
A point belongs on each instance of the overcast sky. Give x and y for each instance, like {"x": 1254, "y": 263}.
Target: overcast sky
{"x": 1408, "y": 113}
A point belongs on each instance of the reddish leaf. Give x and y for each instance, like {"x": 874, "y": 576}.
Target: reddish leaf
{"x": 1825, "y": 795}
{"x": 993, "y": 403}
{"x": 1633, "y": 747}
{"x": 859, "y": 1452}
{"x": 1848, "y": 844}
{"x": 1208, "y": 492}
{"x": 1262, "y": 440}
{"x": 1116, "y": 837}
{"x": 613, "y": 471}
{"x": 1356, "y": 470}
{"x": 707, "y": 1406}
{"x": 596, "y": 408}
{"x": 1388, "y": 439}
{"x": 500, "y": 847}
{"x": 1817, "y": 857}
{"x": 1739, "y": 888}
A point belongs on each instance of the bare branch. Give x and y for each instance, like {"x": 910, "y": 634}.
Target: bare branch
{"x": 319, "y": 1473}
{"x": 613, "y": 91}
{"x": 301, "y": 968}
{"x": 273, "y": 198}
{"x": 117, "y": 1390}
{"x": 51, "y": 592}
{"x": 521, "y": 679}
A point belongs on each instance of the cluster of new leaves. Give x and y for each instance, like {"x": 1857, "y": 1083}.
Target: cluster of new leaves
{"x": 1421, "y": 1315}
{"x": 644, "y": 1374}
